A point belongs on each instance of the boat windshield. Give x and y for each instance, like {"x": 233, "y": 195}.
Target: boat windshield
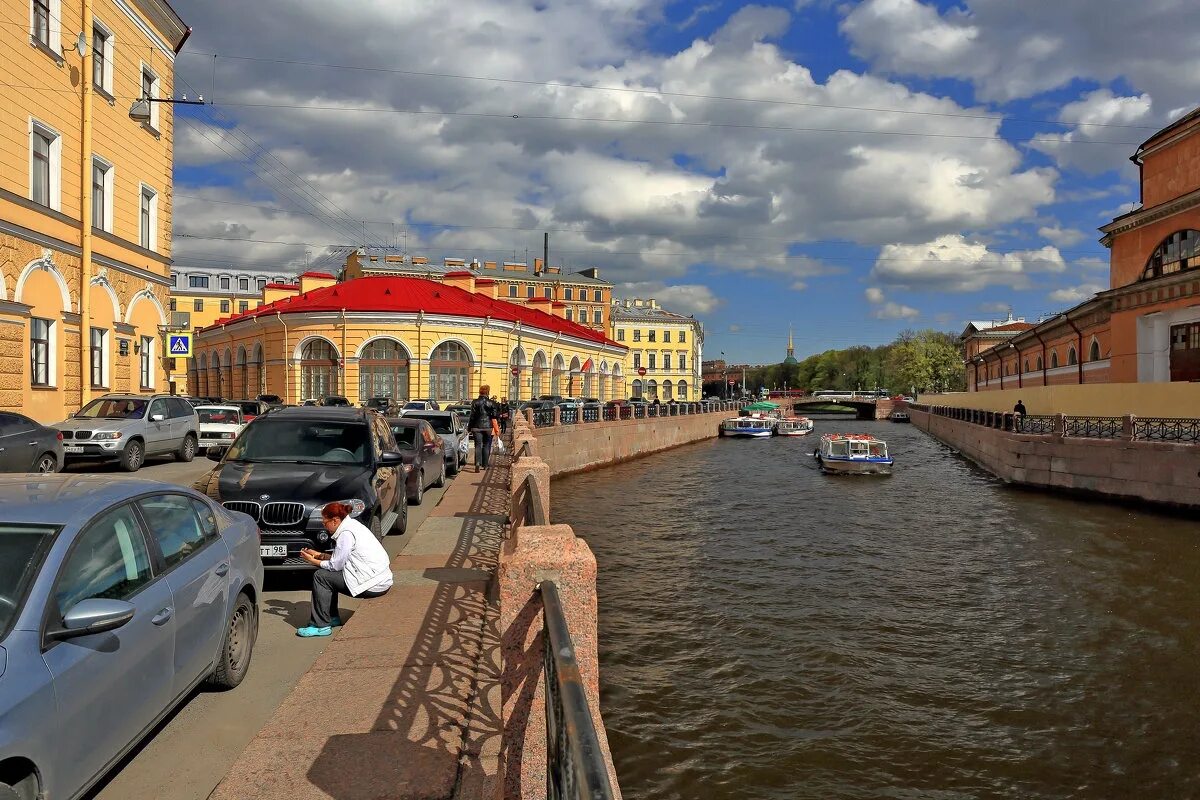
{"x": 838, "y": 448}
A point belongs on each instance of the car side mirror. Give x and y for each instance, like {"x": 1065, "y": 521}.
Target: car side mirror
{"x": 390, "y": 458}
{"x": 215, "y": 453}
{"x": 91, "y": 616}
{"x": 157, "y": 417}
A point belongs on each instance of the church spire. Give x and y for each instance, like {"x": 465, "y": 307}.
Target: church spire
{"x": 791, "y": 351}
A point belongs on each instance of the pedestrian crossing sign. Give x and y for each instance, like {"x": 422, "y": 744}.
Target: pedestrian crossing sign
{"x": 179, "y": 345}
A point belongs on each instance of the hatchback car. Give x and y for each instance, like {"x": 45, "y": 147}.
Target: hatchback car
{"x": 129, "y": 427}
{"x": 251, "y": 408}
{"x": 117, "y": 598}
{"x": 422, "y": 450}
{"x": 28, "y": 446}
{"x": 419, "y": 405}
{"x": 287, "y": 465}
{"x": 452, "y": 429}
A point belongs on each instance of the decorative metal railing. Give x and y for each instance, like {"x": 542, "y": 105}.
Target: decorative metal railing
{"x": 1093, "y": 427}
{"x": 543, "y": 417}
{"x": 1166, "y": 429}
{"x": 1185, "y": 430}
{"x": 576, "y": 768}
{"x": 568, "y": 416}
{"x": 591, "y": 413}
{"x": 1036, "y": 424}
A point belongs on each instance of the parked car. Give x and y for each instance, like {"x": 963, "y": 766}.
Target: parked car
{"x": 270, "y": 399}
{"x": 462, "y": 409}
{"x": 553, "y": 398}
{"x": 286, "y": 466}
{"x": 453, "y": 431}
{"x": 219, "y": 425}
{"x": 252, "y": 408}
{"x": 419, "y": 405}
{"x": 335, "y": 401}
{"x": 28, "y": 446}
{"x": 128, "y": 428}
{"x": 310, "y": 402}
{"x": 380, "y": 404}
{"x": 116, "y": 601}
{"x": 423, "y": 453}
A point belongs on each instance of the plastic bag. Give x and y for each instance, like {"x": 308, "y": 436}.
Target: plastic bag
{"x": 498, "y": 446}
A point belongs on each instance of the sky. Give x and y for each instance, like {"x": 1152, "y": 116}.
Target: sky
{"x": 846, "y": 169}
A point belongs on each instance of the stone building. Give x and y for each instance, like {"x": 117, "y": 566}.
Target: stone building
{"x": 85, "y": 199}
{"x": 666, "y": 344}
{"x": 403, "y": 338}
{"x": 1146, "y": 326}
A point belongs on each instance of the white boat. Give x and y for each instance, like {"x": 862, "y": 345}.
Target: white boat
{"x": 794, "y": 426}
{"x": 899, "y": 416}
{"x": 853, "y": 454}
{"x": 755, "y": 426}
{"x": 219, "y": 425}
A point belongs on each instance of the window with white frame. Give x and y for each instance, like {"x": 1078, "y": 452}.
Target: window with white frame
{"x": 45, "y": 23}
{"x": 147, "y": 356}
{"x": 96, "y": 351}
{"x": 598, "y": 317}
{"x": 41, "y": 351}
{"x": 198, "y": 281}
{"x": 682, "y": 362}
{"x": 150, "y": 87}
{"x": 637, "y": 360}
{"x": 650, "y": 358}
{"x": 102, "y": 58}
{"x": 148, "y": 219}
{"x": 682, "y": 337}
{"x": 224, "y": 283}
{"x": 262, "y": 283}
{"x": 666, "y": 360}
{"x": 243, "y": 284}
{"x": 45, "y": 166}
{"x": 102, "y": 194}
{"x": 666, "y": 337}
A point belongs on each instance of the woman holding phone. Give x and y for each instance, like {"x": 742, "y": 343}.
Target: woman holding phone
{"x": 357, "y": 567}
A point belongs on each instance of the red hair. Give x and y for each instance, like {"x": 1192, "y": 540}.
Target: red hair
{"x": 336, "y": 511}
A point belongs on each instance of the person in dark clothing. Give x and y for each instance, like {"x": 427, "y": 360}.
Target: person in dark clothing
{"x": 1019, "y": 408}
{"x": 483, "y": 415}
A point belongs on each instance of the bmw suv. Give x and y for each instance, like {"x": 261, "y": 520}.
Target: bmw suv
{"x": 129, "y": 427}
{"x": 286, "y": 466}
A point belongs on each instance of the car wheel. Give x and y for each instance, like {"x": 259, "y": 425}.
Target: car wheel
{"x": 453, "y": 468}
{"x": 419, "y": 494}
{"x": 47, "y": 464}
{"x": 441, "y": 479}
{"x": 187, "y": 450}
{"x": 132, "y": 456}
{"x": 401, "y": 526}
{"x": 234, "y": 660}
{"x": 376, "y": 526}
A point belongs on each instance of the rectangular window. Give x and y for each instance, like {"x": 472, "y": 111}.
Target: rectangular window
{"x": 102, "y": 194}
{"x": 243, "y": 306}
{"x": 150, "y": 90}
{"x": 39, "y": 351}
{"x": 41, "y": 147}
{"x": 198, "y": 281}
{"x": 96, "y": 348}
{"x": 529, "y": 290}
{"x": 198, "y": 305}
{"x": 243, "y": 284}
{"x": 666, "y": 337}
{"x": 637, "y": 336}
{"x": 650, "y": 360}
{"x": 682, "y": 362}
{"x": 650, "y": 335}
{"x": 568, "y": 293}
{"x": 41, "y": 21}
{"x": 637, "y": 360}
{"x": 102, "y": 59}
{"x": 598, "y": 296}
{"x": 224, "y": 306}
{"x": 225, "y": 283}
{"x": 682, "y": 337}
{"x": 262, "y": 283}
{"x": 620, "y": 334}
{"x": 147, "y": 355}
{"x": 598, "y": 317}
{"x": 512, "y": 290}
{"x": 548, "y": 293}
{"x": 666, "y": 360}
{"x": 581, "y": 314}
{"x": 570, "y": 316}
{"x": 149, "y": 219}
{"x": 173, "y": 303}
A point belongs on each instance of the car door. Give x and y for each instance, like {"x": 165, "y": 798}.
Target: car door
{"x": 431, "y": 453}
{"x": 387, "y": 479}
{"x": 195, "y": 561}
{"x": 109, "y": 687}
{"x": 158, "y": 431}
{"x": 183, "y": 421}
{"x": 15, "y": 452}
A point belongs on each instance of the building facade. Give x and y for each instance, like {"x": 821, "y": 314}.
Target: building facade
{"x": 1146, "y": 326}
{"x": 85, "y": 200}
{"x": 403, "y": 338}
{"x": 668, "y": 346}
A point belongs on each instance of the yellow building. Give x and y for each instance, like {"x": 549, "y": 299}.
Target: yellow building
{"x": 585, "y": 298}
{"x": 668, "y": 346}
{"x": 403, "y": 338}
{"x": 85, "y": 199}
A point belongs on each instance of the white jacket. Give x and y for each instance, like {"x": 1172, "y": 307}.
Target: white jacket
{"x": 365, "y": 565}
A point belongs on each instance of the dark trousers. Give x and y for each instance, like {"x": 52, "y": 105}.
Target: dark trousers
{"x": 483, "y": 447}
{"x": 327, "y": 585}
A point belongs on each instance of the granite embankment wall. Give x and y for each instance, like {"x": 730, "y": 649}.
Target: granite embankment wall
{"x": 1155, "y": 472}
{"x": 589, "y": 445}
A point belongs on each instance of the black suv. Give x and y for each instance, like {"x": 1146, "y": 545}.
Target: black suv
{"x": 286, "y": 466}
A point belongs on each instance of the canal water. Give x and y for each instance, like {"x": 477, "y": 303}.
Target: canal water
{"x": 770, "y": 632}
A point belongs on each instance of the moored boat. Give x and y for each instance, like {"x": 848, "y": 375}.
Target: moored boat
{"x": 899, "y": 416}
{"x": 794, "y": 426}
{"x": 754, "y": 426}
{"x": 853, "y": 454}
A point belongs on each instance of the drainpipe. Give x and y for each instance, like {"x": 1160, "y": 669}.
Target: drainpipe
{"x": 344, "y": 392}
{"x": 287, "y": 361}
{"x": 1019, "y": 381}
{"x": 1042, "y": 341}
{"x": 262, "y": 366}
{"x": 482, "y": 347}
{"x": 420, "y": 350}
{"x": 85, "y": 222}
{"x": 1079, "y": 341}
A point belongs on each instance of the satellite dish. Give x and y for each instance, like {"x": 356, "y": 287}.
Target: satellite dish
{"x": 81, "y": 44}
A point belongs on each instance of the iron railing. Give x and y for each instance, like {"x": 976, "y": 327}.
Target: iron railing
{"x": 543, "y": 417}
{"x": 591, "y": 413}
{"x": 1185, "y": 430}
{"x": 1166, "y": 429}
{"x": 1094, "y": 427}
{"x": 576, "y": 768}
{"x": 1035, "y": 424}
{"x": 568, "y": 416}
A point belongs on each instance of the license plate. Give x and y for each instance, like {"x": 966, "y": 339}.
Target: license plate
{"x": 272, "y": 551}
{"x": 73, "y": 448}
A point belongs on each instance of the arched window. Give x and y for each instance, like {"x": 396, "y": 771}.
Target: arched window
{"x": 257, "y": 379}
{"x": 637, "y": 388}
{"x": 1039, "y": 363}
{"x": 450, "y": 372}
{"x": 1027, "y": 365}
{"x": 668, "y": 391}
{"x": 243, "y": 389}
{"x": 538, "y": 376}
{"x": 517, "y": 361}
{"x": 1179, "y": 251}
{"x": 560, "y": 366}
{"x": 681, "y": 391}
{"x": 318, "y": 369}
{"x": 1094, "y": 355}
{"x": 1053, "y": 359}
{"x": 651, "y": 389}
{"x": 1072, "y": 356}
{"x": 383, "y": 370}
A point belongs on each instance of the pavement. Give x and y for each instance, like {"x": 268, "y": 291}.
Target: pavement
{"x": 403, "y": 702}
{"x": 189, "y": 753}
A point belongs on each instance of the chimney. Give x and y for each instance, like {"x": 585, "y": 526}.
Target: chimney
{"x": 462, "y": 279}
{"x": 315, "y": 280}
{"x": 591, "y": 272}
{"x": 538, "y": 266}
{"x": 487, "y": 287}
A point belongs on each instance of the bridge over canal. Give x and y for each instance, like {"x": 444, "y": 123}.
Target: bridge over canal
{"x": 865, "y": 406}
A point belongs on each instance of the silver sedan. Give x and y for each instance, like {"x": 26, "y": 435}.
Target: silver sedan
{"x": 117, "y": 599}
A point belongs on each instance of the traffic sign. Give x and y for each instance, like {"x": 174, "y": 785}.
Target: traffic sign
{"x": 732, "y": 382}
{"x": 516, "y": 370}
{"x": 641, "y": 370}
{"x": 179, "y": 345}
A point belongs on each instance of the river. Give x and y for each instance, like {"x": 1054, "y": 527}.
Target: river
{"x": 767, "y": 631}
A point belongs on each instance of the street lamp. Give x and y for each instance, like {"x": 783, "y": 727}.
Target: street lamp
{"x": 140, "y": 110}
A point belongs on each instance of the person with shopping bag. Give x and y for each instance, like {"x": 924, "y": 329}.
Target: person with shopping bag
{"x": 483, "y": 425}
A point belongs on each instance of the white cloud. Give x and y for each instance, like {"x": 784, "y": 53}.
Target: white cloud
{"x": 1092, "y": 262}
{"x": 886, "y": 309}
{"x": 1076, "y": 294}
{"x": 998, "y": 307}
{"x": 680, "y": 298}
{"x": 874, "y": 294}
{"x": 952, "y": 263}
{"x": 1083, "y": 146}
{"x": 1060, "y": 236}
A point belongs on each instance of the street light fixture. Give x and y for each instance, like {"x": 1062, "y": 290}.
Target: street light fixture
{"x": 140, "y": 110}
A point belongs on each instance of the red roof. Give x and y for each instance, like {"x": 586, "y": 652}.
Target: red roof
{"x": 291, "y": 287}
{"x": 389, "y": 293}
{"x": 316, "y": 275}
{"x": 1012, "y": 326}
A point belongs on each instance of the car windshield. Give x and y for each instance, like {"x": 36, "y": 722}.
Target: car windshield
{"x": 219, "y": 416}
{"x": 416, "y": 404}
{"x": 119, "y": 408}
{"x": 20, "y": 550}
{"x": 406, "y": 436}
{"x": 249, "y": 408}
{"x": 440, "y": 423}
{"x": 301, "y": 441}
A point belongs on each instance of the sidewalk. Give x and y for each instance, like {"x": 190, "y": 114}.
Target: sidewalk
{"x": 405, "y": 700}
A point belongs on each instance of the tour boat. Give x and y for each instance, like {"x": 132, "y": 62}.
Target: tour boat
{"x": 899, "y": 416}
{"x": 853, "y": 454}
{"x": 794, "y": 426}
{"x": 755, "y": 426}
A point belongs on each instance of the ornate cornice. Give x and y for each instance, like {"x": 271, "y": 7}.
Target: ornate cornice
{"x": 1148, "y": 215}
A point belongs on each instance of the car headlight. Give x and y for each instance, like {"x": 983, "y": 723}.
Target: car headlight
{"x": 225, "y": 436}
{"x": 357, "y": 507}
{"x": 107, "y": 436}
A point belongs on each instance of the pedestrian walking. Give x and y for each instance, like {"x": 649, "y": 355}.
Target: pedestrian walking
{"x": 481, "y": 424}
{"x": 358, "y": 567}
{"x": 1019, "y": 408}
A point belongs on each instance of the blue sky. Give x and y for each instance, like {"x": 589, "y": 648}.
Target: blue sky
{"x": 851, "y": 169}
